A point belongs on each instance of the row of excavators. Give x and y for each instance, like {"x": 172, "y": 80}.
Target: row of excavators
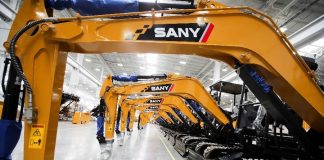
{"x": 193, "y": 121}
{"x": 285, "y": 122}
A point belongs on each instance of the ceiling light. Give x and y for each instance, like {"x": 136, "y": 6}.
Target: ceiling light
{"x": 151, "y": 70}
{"x": 183, "y": 62}
{"x": 224, "y": 69}
{"x": 283, "y": 29}
{"x": 308, "y": 49}
{"x": 124, "y": 73}
{"x": 211, "y": 79}
{"x": 177, "y": 73}
{"x": 119, "y": 64}
{"x": 88, "y": 60}
{"x": 97, "y": 69}
{"x": 151, "y": 58}
{"x": 140, "y": 55}
{"x": 142, "y": 67}
{"x": 229, "y": 77}
{"x": 319, "y": 42}
{"x": 237, "y": 81}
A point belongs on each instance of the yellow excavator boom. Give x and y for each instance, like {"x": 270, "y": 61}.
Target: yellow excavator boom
{"x": 256, "y": 42}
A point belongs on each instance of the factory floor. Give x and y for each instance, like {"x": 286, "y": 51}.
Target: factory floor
{"x": 78, "y": 142}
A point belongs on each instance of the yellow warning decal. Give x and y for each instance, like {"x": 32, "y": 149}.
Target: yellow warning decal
{"x": 36, "y": 136}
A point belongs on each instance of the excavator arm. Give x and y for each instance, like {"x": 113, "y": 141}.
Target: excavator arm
{"x": 176, "y": 85}
{"x": 257, "y": 43}
{"x": 166, "y": 100}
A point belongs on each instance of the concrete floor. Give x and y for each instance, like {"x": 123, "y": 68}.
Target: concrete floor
{"x": 78, "y": 142}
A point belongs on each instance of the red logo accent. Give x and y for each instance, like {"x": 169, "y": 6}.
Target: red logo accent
{"x": 207, "y": 33}
{"x": 171, "y": 88}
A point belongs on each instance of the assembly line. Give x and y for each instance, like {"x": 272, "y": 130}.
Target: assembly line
{"x": 282, "y": 118}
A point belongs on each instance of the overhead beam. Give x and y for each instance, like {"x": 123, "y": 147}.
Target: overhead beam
{"x": 104, "y": 64}
{"x": 204, "y": 68}
{"x": 83, "y": 70}
{"x": 308, "y": 33}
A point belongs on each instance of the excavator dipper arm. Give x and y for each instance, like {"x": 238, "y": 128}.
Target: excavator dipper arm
{"x": 166, "y": 100}
{"x": 173, "y": 86}
{"x": 213, "y": 33}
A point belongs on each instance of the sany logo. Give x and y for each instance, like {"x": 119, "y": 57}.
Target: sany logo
{"x": 152, "y": 108}
{"x": 160, "y": 88}
{"x": 189, "y": 32}
{"x": 154, "y": 101}
{"x": 176, "y": 32}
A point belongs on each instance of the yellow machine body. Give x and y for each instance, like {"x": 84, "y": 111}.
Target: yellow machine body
{"x": 164, "y": 100}
{"x": 185, "y": 87}
{"x": 256, "y": 41}
{"x": 1, "y": 107}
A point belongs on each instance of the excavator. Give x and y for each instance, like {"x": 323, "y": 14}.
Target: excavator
{"x": 175, "y": 102}
{"x": 173, "y": 85}
{"x": 266, "y": 61}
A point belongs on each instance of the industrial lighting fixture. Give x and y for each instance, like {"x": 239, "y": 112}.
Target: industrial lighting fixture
{"x": 151, "y": 70}
{"x": 224, "y": 69}
{"x": 88, "y": 60}
{"x": 140, "y": 55}
{"x": 177, "y": 73}
{"x": 119, "y": 64}
{"x": 142, "y": 68}
{"x": 283, "y": 29}
{"x": 211, "y": 79}
{"x": 124, "y": 73}
{"x": 229, "y": 76}
{"x": 183, "y": 62}
{"x": 309, "y": 48}
{"x": 97, "y": 69}
{"x": 151, "y": 58}
{"x": 319, "y": 42}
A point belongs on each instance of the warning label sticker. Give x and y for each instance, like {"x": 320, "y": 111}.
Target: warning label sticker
{"x": 36, "y": 136}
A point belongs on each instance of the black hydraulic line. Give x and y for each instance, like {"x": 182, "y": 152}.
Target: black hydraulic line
{"x": 220, "y": 93}
{"x": 201, "y": 116}
{"x": 11, "y": 98}
{"x": 256, "y": 103}
{"x": 4, "y": 73}
{"x": 138, "y": 124}
{"x": 128, "y": 121}
{"x": 278, "y": 110}
{"x": 148, "y": 6}
{"x": 157, "y": 77}
{"x": 118, "y": 120}
{"x": 173, "y": 118}
{"x": 245, "y": 95}
{"x": 240, "y": 107}
{"x": 15, "y": 60}
{"x": 22, "y": 104}
{"x": 181, "y": 117}
{"x": 298, "y": 13}
{"x": 234, "y": 100}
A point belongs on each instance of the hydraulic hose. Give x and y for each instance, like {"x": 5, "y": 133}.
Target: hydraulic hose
{"x": 6, "y": 62}
{"x": 13, "y": 57}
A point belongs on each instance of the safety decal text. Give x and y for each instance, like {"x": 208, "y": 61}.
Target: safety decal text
{"x": 36, "y": 138}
